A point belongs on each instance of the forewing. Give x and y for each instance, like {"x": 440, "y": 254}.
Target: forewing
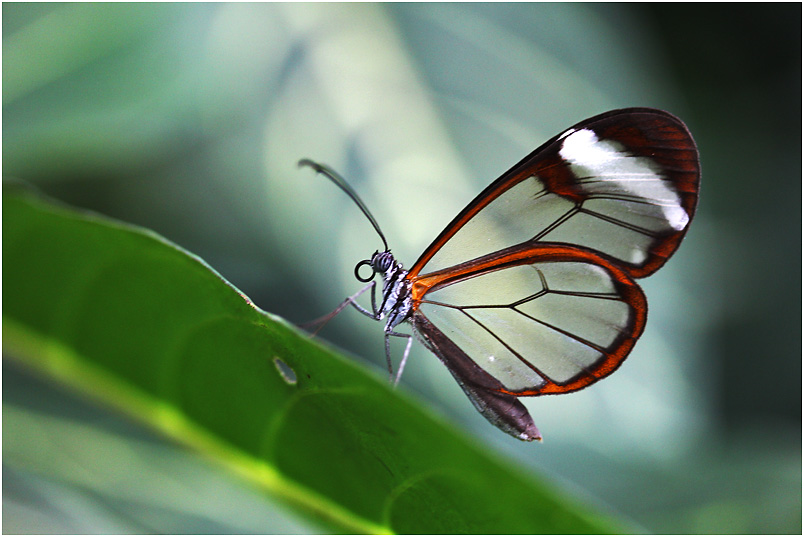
{"x": 624, "y": 183}
{"x": 539, "y": 319}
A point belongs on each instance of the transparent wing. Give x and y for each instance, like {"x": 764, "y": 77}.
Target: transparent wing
{"x": 486, "y": 393}
{"x": 537, "y": 319}
{"x": 624, "y": 183}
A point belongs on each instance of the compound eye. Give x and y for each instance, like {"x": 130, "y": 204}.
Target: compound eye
{"x": 382, "y": 264}
{"x": 382, "y": 261}
{"x": 365, "y": 262}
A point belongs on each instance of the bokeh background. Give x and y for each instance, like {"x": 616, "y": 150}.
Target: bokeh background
{"x": 189, "y": 119}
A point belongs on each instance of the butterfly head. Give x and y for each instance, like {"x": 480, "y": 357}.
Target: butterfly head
{"x": 379, "y": 263}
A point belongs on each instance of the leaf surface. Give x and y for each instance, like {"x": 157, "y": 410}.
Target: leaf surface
{"x": 123, "y": 315}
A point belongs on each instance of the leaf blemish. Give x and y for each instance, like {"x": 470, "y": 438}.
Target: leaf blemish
{"x": 287, "y": 373}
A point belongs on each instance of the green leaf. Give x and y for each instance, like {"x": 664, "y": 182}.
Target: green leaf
{"x": 123, "y": 315}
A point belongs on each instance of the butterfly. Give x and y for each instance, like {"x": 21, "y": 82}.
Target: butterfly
{"x": 531, "y": 290}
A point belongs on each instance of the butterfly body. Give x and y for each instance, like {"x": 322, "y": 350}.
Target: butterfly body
{"x": 531, "y": 289}
{"x": 397, "y": 302}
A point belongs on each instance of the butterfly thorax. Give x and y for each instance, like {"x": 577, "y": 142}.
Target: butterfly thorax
{"x": 396, "y": 303}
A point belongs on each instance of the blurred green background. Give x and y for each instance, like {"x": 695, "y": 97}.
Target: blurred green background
{"x": 189, "y": 119}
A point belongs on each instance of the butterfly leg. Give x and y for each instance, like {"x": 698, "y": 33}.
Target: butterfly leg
{"x": 321, "y": 321}
{"x": 388, "y": 334}
{"x": 374, "y": 314}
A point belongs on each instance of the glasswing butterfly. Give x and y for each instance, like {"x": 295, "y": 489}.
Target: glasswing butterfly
{"x": 530, "y": 289}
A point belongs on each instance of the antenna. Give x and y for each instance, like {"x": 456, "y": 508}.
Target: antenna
{"x": 333, "y": 176}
